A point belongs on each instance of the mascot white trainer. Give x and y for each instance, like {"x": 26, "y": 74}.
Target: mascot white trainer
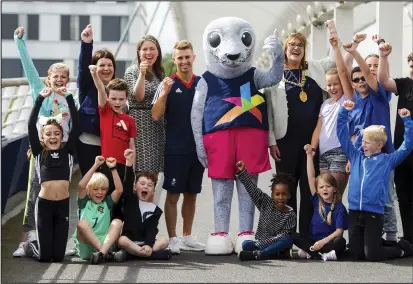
{"x": 230, "y": 122}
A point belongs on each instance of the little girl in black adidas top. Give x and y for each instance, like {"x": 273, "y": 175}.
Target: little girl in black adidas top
{"x": 329, "y": 220}
{"x": 276, "y": 221}
{"x": 54, "y": 161}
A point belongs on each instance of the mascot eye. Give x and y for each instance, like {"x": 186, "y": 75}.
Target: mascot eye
{"x": 246, "y": 38}
{"x": 214, "y": 40}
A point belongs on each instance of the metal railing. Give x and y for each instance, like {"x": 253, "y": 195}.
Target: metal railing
{"x": 17, "y": 104}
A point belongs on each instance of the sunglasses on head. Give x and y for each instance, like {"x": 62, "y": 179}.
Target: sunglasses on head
{"x": 359, "y": 79}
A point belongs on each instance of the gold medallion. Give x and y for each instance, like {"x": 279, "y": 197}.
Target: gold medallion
{"x": 303, "y": 96}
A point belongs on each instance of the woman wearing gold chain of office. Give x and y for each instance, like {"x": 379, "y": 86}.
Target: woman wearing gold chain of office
{"x": 302, "y": 87}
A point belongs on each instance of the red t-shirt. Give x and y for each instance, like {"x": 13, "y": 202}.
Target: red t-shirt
{"x": 116, "y": 129}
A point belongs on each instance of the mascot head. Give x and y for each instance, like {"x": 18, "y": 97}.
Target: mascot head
{"x": 228, "y": 47}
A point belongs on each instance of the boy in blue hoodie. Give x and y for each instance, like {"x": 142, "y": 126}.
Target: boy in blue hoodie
{"x": 368, "y": 191}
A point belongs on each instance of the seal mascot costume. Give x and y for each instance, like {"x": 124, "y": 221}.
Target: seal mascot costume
{"x": 230, "y": 121}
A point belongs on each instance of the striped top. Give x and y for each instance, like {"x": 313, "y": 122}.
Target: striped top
{"x": 273, "y": 224}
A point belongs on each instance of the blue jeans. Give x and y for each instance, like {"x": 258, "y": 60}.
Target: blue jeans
{"x": 282, "y": 244}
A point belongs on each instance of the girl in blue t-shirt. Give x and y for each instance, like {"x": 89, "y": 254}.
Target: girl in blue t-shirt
{"x": 329, "y": 220}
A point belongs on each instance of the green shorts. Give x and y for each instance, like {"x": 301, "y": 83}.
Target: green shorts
{"x": 84, "y": 251}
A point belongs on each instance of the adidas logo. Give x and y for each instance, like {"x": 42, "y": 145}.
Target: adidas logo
{"x": 55, "y": 155}
{"x": 173, "y": 182}
{"x": 122, "y": 124}
{"x": 178, "y": 90}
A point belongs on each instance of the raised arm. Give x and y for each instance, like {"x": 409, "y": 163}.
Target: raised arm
{"x": 383, "y": 74}
{"x": 197, "y": 116}
{"x": 257, "y": 196}
{"x": 129, "y": 179}
{"x": 342, "y": 68}
{"x": 84, "y": 78}
{"x": 102, "y": 97}
{"x": 32, "y": 129}
{"x": 81, "y": 188}
{"x": 310, "y": 168}
{"x": 407, "y": 146}
{"x": 74, "y": 131}
{"x": 365, "y": 70}
{"x": 139, "y": 87}
{"x": 160, "y": 98}
{"x": 30, "y": 70}
{"x": 273, "y": 76}
{"x": 116, "y": 194}
{"x": 342, "y": 130}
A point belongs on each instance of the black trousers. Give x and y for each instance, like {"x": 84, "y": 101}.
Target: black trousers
{"x": 294, "y": 162}
{"x": 403, "y": 178}
{"x": 365, "y": 230}
{"x": 304, "y": 243}
{"x": 52, "y": 224}
{"x": 86, "y": 155}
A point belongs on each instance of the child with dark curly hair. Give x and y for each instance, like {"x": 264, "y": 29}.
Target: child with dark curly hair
{"x": 277, "y": 219}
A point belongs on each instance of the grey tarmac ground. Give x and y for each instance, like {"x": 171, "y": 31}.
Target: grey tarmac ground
{"x": 192, "y": 266}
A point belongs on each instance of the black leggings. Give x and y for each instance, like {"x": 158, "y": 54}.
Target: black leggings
{"x": 52, "y": 224}
{"x": 403, "y": 178}
{"x": 365, "y": 230}
{"x": 304, "y": 243}
{"x": 86, "y": 155}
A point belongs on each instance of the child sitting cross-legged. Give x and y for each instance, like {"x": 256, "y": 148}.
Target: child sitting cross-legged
{"x": 277, "y": 220}
{"x": 329, "y": 220}
{"x": 95, "y": 233}
{"x": 140, "y": 227}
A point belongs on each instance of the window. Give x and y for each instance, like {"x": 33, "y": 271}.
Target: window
{"x": 42, "y": 65}
{"x": 120, "y": 68}
{"x": 9, "y": 22}
{"x": 72, "y": 26}
{"x": 112, "y": 27}
{"x": 11, "y": 68}
{"x": 33, "y": 27}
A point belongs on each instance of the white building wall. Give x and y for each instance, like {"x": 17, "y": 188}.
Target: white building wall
{"x": 51, "y": 47}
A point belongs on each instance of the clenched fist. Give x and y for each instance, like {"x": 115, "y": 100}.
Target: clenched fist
{"x": 99, "y": 160}
{"x": 348, "y": 105}
{"x": 87, "y": 34}
{"x": 19, "y": 32}
{"x": 111, "y": 162}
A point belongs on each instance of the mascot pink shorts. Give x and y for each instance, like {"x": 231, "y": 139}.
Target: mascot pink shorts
{"x": 224, "y": 148}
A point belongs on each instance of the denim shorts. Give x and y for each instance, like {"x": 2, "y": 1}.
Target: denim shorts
{"x": 334, "y": 160}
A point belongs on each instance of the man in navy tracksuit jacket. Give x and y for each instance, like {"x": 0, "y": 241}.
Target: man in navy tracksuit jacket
{"x": 367, "y": 192}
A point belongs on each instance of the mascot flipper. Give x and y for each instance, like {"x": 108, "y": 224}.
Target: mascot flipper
{"x": 230, "y": 121}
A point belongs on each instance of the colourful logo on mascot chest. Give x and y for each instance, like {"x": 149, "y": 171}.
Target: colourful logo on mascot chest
{"x": 243, "y": 104}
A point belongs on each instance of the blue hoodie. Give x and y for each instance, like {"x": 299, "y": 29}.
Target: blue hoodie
{"x": 369, "y": 178}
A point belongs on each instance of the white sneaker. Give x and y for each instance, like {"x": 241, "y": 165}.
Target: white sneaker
{"x": 20, "y": 251}
{"x": 174, "y": 245}
{"x": 190, "y": 243}
{"x": 329, "y": 255}
{"x": 219, "y": 244}
{"x": 304, "y": 255}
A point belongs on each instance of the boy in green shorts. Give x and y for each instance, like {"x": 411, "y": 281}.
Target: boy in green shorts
{"x": 95, "y": 233}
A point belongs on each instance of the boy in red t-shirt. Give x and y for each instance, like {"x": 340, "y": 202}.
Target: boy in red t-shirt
{"x": 117, "y": 129}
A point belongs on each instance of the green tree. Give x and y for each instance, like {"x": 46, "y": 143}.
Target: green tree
{"x": 168, "y": 64}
